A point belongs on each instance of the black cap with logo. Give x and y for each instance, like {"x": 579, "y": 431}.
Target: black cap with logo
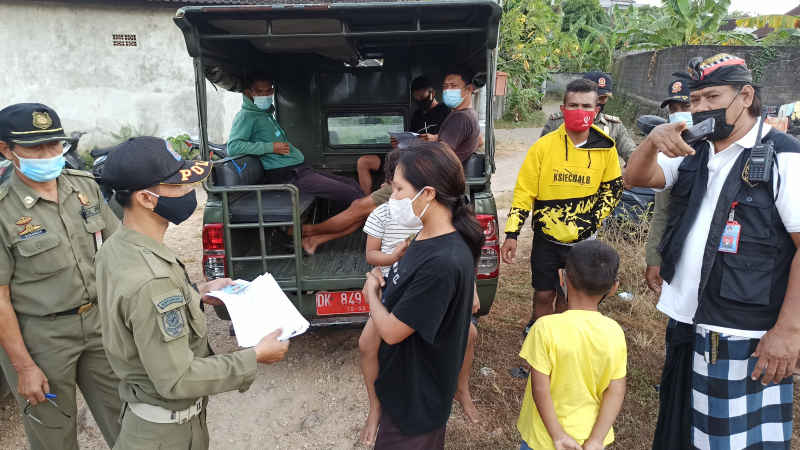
{"x": 678, "y": 91}
{"x": 30, "y": 124}
{"x": 605, "y": 85}
{"x": 141, "y": 162}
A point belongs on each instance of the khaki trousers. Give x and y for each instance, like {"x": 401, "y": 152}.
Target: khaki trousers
{"x": 139, "y": 434}
{"x": 69, "y": 350}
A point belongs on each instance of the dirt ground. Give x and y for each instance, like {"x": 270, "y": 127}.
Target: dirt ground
{"x": 316, "y": 399}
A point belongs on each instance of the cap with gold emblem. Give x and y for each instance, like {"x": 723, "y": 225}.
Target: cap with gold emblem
{"x": 605, "y": 85}
{"x": 142, "y": 162}
{"x": 30, "y": 124}
{"x": 678, "y": 91}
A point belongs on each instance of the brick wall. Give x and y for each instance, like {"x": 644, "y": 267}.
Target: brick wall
{"x": 645, "y": 76}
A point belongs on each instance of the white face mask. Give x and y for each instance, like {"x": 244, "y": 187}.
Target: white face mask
{"x": 402, "y": 211}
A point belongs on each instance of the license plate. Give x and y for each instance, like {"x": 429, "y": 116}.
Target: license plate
{"x": 342, "y": 302}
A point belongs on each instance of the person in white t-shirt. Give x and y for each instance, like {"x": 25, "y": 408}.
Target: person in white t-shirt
{"x": 387, "y": 241}
{"x": 730, "y": 262}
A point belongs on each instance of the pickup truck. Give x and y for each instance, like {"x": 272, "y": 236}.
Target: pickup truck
{"x": 342, "y": 76}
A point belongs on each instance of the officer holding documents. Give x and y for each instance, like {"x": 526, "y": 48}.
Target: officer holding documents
{"x": 52, "y": 221}
{"x": 154, "y": 329}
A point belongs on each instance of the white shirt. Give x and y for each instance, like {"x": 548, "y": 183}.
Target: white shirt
{"x": 679, "y": 299}
{"x": 381, "y": 226}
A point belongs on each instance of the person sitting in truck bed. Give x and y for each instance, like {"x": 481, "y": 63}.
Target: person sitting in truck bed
{"x": 256, "y": 131}
{"x": 426, "y": 119}
{"x": 460, "y": 131}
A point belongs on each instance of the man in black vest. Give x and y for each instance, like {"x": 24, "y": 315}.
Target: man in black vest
{"x": 730, "y": 265}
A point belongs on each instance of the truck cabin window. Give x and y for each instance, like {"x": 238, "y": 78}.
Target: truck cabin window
{"x": 363, "y": 129}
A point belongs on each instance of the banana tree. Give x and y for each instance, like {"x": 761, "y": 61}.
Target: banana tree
{"x": 785, "y": 28}
{"x": 776, "y": 22}
{"x": 689, "y": 22}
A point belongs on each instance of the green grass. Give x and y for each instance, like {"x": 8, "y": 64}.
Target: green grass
{"x": 537, "y": 120}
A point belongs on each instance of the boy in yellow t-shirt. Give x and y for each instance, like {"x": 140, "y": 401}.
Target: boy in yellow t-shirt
{"x": 578, "y": 360}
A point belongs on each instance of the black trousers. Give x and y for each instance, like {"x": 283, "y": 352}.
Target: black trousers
{"x": 319, "y": 184}
{"x": 673, "y": 429}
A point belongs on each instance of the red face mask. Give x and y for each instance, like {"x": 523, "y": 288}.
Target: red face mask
{"x": 578, "y": 119}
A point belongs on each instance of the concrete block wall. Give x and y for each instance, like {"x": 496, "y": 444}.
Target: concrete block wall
{"x": 647, "y": 75}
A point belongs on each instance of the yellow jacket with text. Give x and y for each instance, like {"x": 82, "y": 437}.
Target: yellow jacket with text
{"x": 569, "y": 189}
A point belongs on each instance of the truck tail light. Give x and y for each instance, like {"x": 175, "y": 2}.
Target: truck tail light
{"x": 489, "y": 261}
{"x": 214, "y": 252}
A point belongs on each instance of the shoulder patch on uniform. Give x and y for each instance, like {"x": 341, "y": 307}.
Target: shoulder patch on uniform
{"x": 169, "y": 301}
{"x": 556, "y": 116}
{"x": 78, "y": 173}
{"x": 171, "y": 309}
{"x": 158, "y": 266}
{"x": 611, "y": 118}
{"x": 173, "y": 323}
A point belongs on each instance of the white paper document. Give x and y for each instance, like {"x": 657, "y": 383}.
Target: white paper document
{"x": 259, "y": 307}
{"x": 404, "y": 139}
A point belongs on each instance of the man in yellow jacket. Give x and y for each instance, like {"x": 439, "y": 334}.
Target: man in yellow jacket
{"x": 571, "y": 180}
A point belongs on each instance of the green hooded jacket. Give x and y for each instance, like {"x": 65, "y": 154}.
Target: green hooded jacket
{"x": 253, "y": 132}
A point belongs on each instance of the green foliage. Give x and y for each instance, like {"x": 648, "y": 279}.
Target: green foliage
{"x": 180, "y": 146}
{"x": 761, "y": 60}
{"x": 87, "y": 159}
{"x": 582, "y": 12}
{"x": 688, "y": 22}
{"x": 538, "y": 37}
{"x": 536, "y": 119}
{"x": 531, "y": 45}
{"x": 128, "y": 131}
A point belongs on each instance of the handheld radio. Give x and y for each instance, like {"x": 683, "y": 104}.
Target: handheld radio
{"x": 699, "y": 131}
{"x": 761, "y": 157}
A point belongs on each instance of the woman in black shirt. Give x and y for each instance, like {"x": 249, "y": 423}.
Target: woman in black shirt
{"x": 424, "y": 315}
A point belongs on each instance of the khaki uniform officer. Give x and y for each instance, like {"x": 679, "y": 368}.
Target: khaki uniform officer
{"x": 154, "y": 330}
{"x": 52, "y": 222}
{"x": 611, "y": 125}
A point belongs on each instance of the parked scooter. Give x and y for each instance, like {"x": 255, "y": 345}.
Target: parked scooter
{"x": 636, "y": 204}
{"x": 71, "y": 155}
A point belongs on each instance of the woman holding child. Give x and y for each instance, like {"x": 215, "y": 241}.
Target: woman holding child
{"x": 423, "y": 315}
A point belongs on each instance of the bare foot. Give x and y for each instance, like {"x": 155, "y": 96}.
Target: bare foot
{"x": 465, "y": 399}
{"x": 370, "y": 430}
{"x": 310, "y": 244}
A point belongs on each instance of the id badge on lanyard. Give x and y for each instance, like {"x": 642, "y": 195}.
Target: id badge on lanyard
{"x": 729, "y": 243}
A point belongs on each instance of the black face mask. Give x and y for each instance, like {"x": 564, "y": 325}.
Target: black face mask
{"x": 426, "y": 102}
{"x": 176, "y": 209}
{"x": 721, "y": 127}
{"x": 600, "y": 107}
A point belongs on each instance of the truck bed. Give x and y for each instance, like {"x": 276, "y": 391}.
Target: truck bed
{"x": 337, "y": 265}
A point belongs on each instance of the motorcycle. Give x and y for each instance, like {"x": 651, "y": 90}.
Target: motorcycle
{"x": 636, "y": 204}
{"x": 101, "y": 154}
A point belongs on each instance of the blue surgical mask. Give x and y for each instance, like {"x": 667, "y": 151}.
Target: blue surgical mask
{"x": 41, "y": 170}
{"x": 263, "y": 102}
{"x": 681, "y": 116}
{"x": 452, "y": 97}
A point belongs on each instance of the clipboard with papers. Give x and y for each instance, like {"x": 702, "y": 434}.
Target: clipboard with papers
{"x": 258, "y": 308}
